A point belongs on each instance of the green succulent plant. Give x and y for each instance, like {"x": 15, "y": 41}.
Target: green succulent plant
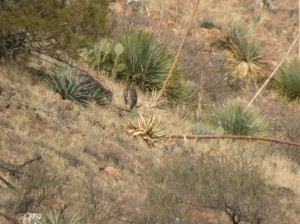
{"x": 81, "y": 88}
{"x": 287, "y": 81}
{"x": 104, "y": 56}
{"x": 148, "y": 63}
{"x": 61, "y": 217}
{"x": 237, "y": 119}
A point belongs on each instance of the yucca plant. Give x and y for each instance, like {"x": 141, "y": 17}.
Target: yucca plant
{"x": 149, "y": 129}
{"x": 237, "y": 119}
{"x": 61, "y": 217}
{"x": 287, "y": 81}
{"x": 242, "y": 54}
{"x": 147, "y": 65}
{"x": 81, "y": 88}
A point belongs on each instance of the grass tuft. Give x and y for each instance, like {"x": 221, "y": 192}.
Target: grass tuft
{"x": 243, "y": 55}
{"x": 237, "y": 119}
{"x": 287, "y": 82}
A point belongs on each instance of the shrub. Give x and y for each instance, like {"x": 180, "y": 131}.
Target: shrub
{"x": 51, "y": 25}
{"x": 243, "y": 55}
{"x": 287, "y": 81}
{"x": 235, "y": 184}
{"x": 236, "y": 119}
{"x": 147, "y": 65}
{"x": 81, "y": 88}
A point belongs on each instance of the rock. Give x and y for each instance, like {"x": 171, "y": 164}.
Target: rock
{"x": 32, "y": 218}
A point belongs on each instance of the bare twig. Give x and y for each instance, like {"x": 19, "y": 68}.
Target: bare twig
{"x": 36, "y": 158}
{"x": 9, "y": 218}
{"x": 274, "y": 72}
{"x": 9, "y": 185}
{"x": 179, "y": 51}
{"x": 239, "y": 137}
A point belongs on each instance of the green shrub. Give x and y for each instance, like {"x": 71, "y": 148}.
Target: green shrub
{"x": 81, "y": 88}
{"x": 207, "y": 23}
{"x": 148, "y": 63}
{"x": 243, "y": 55}
{"x": 287, "y": 81}
{"x": 51, "y": 25}
{"x": 236, "y": 119}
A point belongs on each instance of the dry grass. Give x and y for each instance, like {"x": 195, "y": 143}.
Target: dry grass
{"x": 89, "y": 161}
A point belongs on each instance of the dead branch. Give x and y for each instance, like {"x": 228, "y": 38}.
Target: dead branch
{"x": 239, "y": 137}
{"x": 9, "y": 185}
{"x": 9, "y": 218}
{"x": 179, "y": 50}
{"x": 36, "y": 158}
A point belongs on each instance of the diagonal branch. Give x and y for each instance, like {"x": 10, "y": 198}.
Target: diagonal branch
{"x": 274, "y": 72}
{"x": 179, "y": 51}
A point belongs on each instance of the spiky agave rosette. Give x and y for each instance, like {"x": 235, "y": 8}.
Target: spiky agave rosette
{"x": 149, "y": 129}
{"x": 74, "y": 85}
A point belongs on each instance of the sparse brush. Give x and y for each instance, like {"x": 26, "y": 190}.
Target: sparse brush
{"x": 243, "y": 55}
{"x": 200, "y": 128}
{"x": 61, "y": 217}
{"x": 156, "y": 101}
{"x": 287, "y": 81}
{"x": 149, "y": 129}
{"x": 237, "y": 119}
{"x": 81, "y": 88}
{"x": 148, "y": 63}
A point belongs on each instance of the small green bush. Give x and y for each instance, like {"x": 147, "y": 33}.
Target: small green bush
{"x": 207, "y": 23}
{"x": 148, "y": 63}
{"x": 81, "y": 88}
{"x": 236, "y": 119}
{"x": 287, "y": 81}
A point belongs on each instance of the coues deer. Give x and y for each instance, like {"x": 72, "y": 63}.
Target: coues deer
{"x": 130, "y": 97}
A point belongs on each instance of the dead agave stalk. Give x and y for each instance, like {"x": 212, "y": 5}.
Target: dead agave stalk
{"x": 179, "y": 51}
{"x": 239, "y": 137}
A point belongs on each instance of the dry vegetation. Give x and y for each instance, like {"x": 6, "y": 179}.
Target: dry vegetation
{"x": 56, "y": 154}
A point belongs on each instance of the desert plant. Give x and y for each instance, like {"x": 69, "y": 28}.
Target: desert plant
{"x": 147, "y": 65}
{"x": 50, "y": 25}
{"x": 243, "y": 55}
{"x": 149, "y": 129}
{"x": 81, "y": 88}
{"x": 61, "y": 217}
{"x": 235, "y": 184}
{"x": 207, "y": 22}
{"x": 287, "y": 81}
{"x": 237, "y": 119}
{"x": 103, "y": 56}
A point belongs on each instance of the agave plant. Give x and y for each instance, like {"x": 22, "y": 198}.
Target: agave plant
{"x": 81, "y": 88}
{"x": 149, "y": 129}
{"x": 237, "y": 119}
{"x": 147, "y": 65}
{"x": 287, "y": 82}
{"x": 61, "y": 217}
{"x": 243, "y": 55}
